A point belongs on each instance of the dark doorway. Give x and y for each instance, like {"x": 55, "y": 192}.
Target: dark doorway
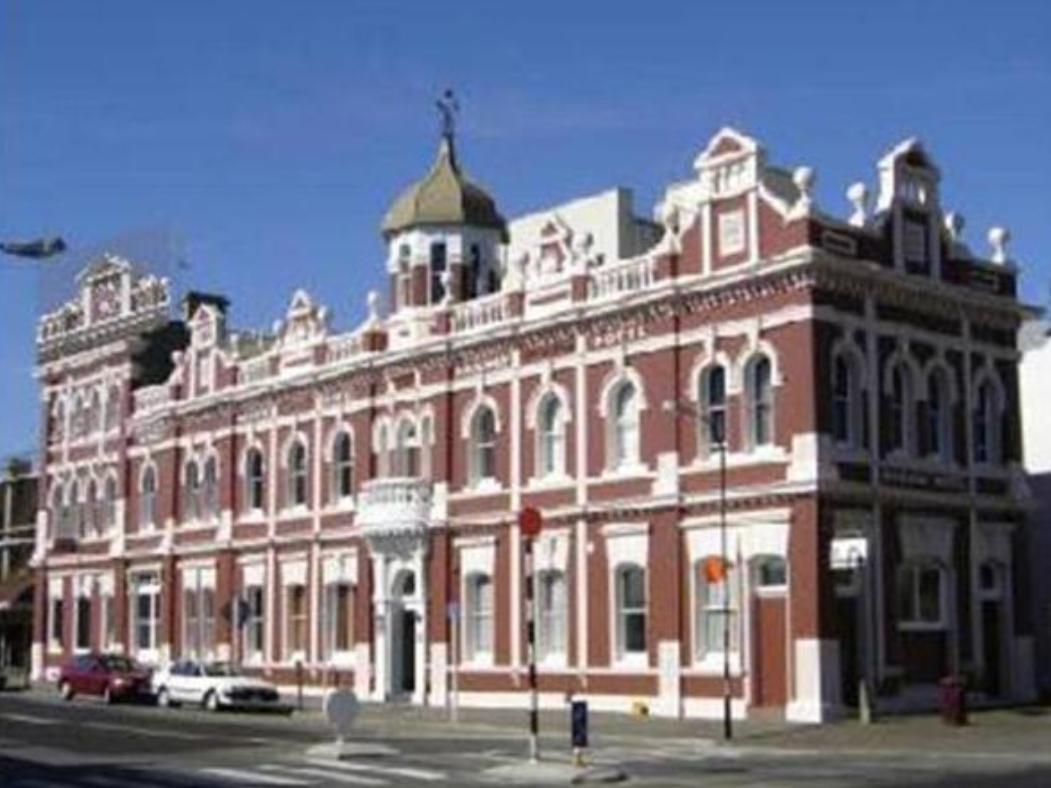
{"x": 408, "y": 652}
{"x": 847, "y": 621}
{"x": 992, "y": 647}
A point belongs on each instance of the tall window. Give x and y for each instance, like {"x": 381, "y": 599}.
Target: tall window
{"x": 83, "y": 640}
{"x": 478, "y": 629}
{"x": 438, "y": 262}
{"x": 939, "y": 416}
{"x": 109, "y": 620}
{"x": 717, "y": 606}
{"x": 631, "y": 610}
{"x": 296, "y": 621}
{"x": 198, "y": 613}
{"x": 297, "y": 474}
{"x": 986, "y": 424}
{"x": 342, "y": 467}
{"x": 381, "y": 456}
{"x": 713, "y": 406}
{"x": 57, "y": 624}
{"x": 146, "y": 596}
{"x": 625, "y": 412}
{"x": 760, "y": 402}
{"x": 404, "y": 286}
{"x": 89, "y": 519}
{"x": 112, "y": 408}
{"x": 406, "y": 450}
{"x": 846, "y": 411}
{"x": 254, "y": 610}
{"x": 338, "y": 609}
{"x": 210, "y": 489}
{"x": 920, "y": 595}
{"x": 109, "y": 503}
{"x": 899, "y": 408}
{"x": 71, "y": 511}
{"x": 483, "y": 444}
{"x": 552, "y": 441}
{"x": 255, "y": 480}
{"x": 192, "y": 491}
{"x": 551, "y": 614}
{"x": 148, "y": 497}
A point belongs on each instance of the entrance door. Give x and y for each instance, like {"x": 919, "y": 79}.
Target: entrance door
{"x": 848, "y": 599}
{"x": 407, "y": 683}
{"x": 992, "y": 647}
{"x": 770, "y": 684}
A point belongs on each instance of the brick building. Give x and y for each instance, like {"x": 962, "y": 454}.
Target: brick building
{"x": 345, "y": 502}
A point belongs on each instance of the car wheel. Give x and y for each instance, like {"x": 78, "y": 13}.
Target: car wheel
{"x": 65, "y": 689}
{"x": 164, "y": 700}
{"x": 211, "y": 701}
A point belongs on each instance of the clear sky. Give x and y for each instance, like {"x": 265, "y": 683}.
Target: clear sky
{"x": 269, "y": 137}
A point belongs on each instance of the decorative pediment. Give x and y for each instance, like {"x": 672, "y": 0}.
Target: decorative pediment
{"x": 305, "y": 322}
{"x": 206, "y": 326}
{"x": 728, "y": 143}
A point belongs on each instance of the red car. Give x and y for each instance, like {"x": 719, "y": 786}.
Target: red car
{"x": 110, "y": 675}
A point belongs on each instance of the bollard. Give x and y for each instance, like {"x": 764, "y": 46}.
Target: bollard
{"x": 299, "y": 684}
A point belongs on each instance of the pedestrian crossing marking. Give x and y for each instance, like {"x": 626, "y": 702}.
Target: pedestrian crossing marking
{"x": 252, "y": 777}
{"x": 399, "y": 771}
{"x": 326, "y": 774}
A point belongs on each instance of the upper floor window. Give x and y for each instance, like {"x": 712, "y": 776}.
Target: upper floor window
{"x": 438, "y": 265}
{"x": 255, "y": 479}
{"x": 148, "y": 497}
{"x": 112, "y": 408}
{"x": 551, "y": 457}
{"x": 987, "y": 414}
{"x": 939, "y": 416}
{"x": 899, "y": 408}
{"x": 406, "y": 450}
{"x": 210, "y": 488}
{"x": 192, "y": 490}
{"x": 847, "y": 416}
{"x": 760, "y": 394}
{"x": 624, "y": 448}
{"x": 380, "y": 455}
{"x": 109, "y": 503}
{"x": 483, "y": 445}
{"x": 713, "y": 407}
{"x": 297, "y": 474}
{"x": 89, "y": 510}
{"x": 342, "y": 467}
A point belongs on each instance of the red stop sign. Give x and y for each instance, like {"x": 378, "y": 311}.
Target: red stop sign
{"x": 530, "y": 520}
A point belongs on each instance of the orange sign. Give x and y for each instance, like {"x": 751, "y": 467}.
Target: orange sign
{"x": 714, "y": 569}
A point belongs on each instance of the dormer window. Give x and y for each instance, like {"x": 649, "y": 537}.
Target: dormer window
{"x": 438, "y": 264}
{"x": 915, "y": 242}
{"x": 403, "y": 292}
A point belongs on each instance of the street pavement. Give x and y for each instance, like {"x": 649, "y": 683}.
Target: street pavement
{"x": 45, "y": 743}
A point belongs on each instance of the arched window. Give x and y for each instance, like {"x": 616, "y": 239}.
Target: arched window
{"x": 210, "y": 488}
{"x": 630, "y": 585}
{"x": 148, "y": 497}
{"x": 718, "y": 607}
{"x": 939, "y": 416}
{"x": 297, "y": 474}
{"x": 71, "y": 513}
{"x": 407, "y": 450}
{"x": 760, "y": 401}
{"x": 713, "y": 407}
{"x": 482, "y": 461}
{"x": 987, "y": 412}
{"x": 478, "y": 629}
{"x": 89, "y": 518}
{"x": 380, "y": 457}
{"x": 342, "y": 467}
{"x": 255, "y": 480}
{"x": 551, "y": 438}
{"x": 551, "y": 613}
{"x": 109, "y": 503}
{"x": 191, "y": 491}
{"x": 58, "y": 421}
{"x": 94, "y": 414}
{"x": 900, "y": 408}
{"x": 846, "y": 401}
{"x": 112, "y": 408}
{"x": 57, "y": 507}
{"x": 624, "y": 451}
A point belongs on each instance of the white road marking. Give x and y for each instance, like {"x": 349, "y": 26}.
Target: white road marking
{"x": 252, "y": 777}
{"x": 398, "y": 771}
{"x": 165, "y": 734}
{"x": 328, "y": 774}
{"x": 30, "y": 720}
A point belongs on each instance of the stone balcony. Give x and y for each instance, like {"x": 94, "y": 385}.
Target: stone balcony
{"x": 394, "y": 512}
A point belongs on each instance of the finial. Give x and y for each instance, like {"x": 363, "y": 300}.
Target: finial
{"x": 858, "y": 194}
{"x": 803, "y": 178}
{"x": 999, "y": 237}
{"x": 373, "y": 300}
{"x": 954, "y": 225}
{"x": 449, "y": 108}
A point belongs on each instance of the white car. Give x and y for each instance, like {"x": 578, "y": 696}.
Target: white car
{"x": 215, "y": 686}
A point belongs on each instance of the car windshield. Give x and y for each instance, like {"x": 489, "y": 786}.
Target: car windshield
{"x": 220, "y": 669}
{"x": 118, "y": 664}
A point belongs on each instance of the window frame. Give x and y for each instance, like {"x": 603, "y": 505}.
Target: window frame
{"x": 714, "y": 409}
{"x": 552, "y": 617}
{"x": 625, "y": 652}
{"x": 916, "y": 621}
{"x": 297, "y": 492}
{"x": 479, "y": 619}
{"x": 551, "y": 438}
{"x": 342, "y": 474}
{"x": 625, "y": 439}
{"x": 483, "y": 447}
{"x": 760, "y": 401}
{"x": 708, "y": 604}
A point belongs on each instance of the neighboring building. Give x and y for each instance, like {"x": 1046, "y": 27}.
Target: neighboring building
{"x": 1035, "y": 373}
{"x": 346, "y": 502}
{"x": 18, "y": 508}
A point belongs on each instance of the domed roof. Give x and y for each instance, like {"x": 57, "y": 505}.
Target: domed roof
{"x": 443, "y": 196}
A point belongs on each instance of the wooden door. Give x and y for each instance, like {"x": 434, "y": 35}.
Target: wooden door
{"x": 771, "y": 685}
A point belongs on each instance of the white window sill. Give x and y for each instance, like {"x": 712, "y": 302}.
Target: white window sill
{"x": 340, "y": 506}
{"x": 477, "y": 662}
{"x": 251, "y": 517}
{"x": 296, "y": 512}
{"x": 550, "y": 481}
{"x": 625, "y": 471}
{"x": 712, "y": 664}
{"x": 340, "y": 659}
{"x": 483, "y": 487}
{"x": 633, "y": 660}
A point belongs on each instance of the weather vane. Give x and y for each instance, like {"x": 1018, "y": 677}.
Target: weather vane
{"x": 449, "y": 108}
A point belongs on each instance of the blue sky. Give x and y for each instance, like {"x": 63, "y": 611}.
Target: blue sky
{"x": 269, "y": 137}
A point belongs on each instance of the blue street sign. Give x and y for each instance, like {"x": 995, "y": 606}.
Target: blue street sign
{"x": 579, "y": 718}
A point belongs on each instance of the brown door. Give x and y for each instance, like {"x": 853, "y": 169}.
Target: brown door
{"x": 770, "y": 665}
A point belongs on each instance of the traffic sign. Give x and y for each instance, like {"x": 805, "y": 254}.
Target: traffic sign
{"x": 530, "y": 520}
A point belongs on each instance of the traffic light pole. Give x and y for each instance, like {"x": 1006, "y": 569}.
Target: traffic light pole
{"x": 534, "y": 705}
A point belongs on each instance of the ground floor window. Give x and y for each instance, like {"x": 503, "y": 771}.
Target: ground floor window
{"x": 478, "y": 633}
{"x": 109, "y": 621}
{"x": 551, "y": 614}
{"x": 295, "y": 621}
{"x": 338, "y": 622}
{"x": 83, "y": 639}
{"x": 57, "y": 634}
{"x": 631, "y": 610}
{"x": 253, "y": 622}
{"x": 146, "y": 596}
{"x": 198, "y": 613}
{"x": 921, "y": 596}
{"x": 718, "y": 606}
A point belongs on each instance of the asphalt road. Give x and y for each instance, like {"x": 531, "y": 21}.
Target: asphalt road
{"x": 45, "y": 743}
